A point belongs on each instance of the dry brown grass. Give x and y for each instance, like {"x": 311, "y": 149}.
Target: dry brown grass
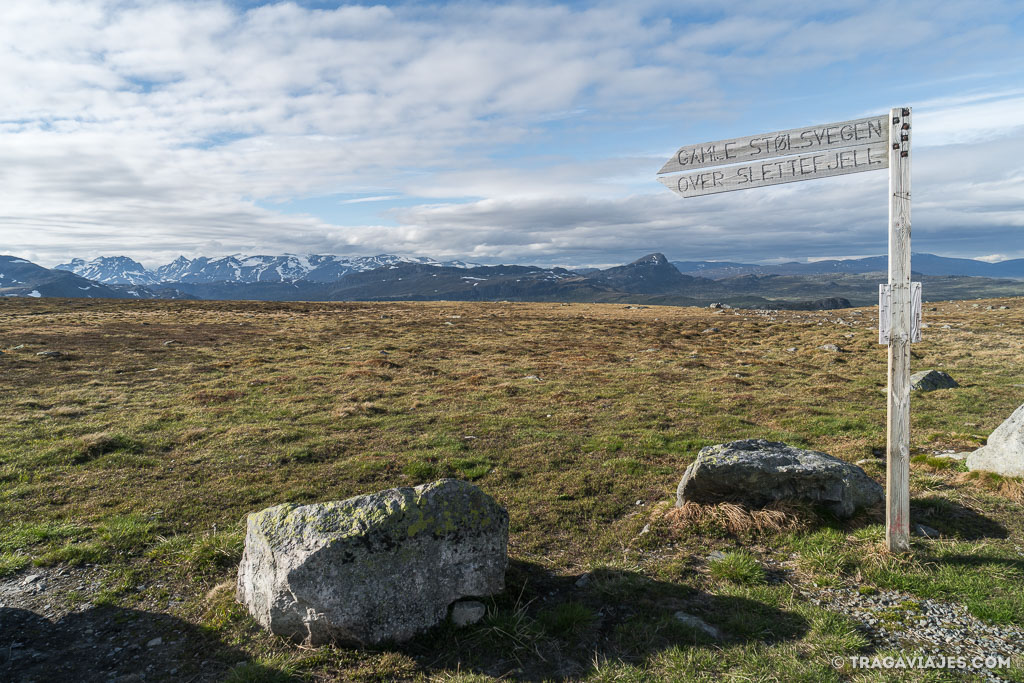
{"x": 263, "y": 403}
{"x": 1006, "y": 487}
{"x": 738, "y": 519}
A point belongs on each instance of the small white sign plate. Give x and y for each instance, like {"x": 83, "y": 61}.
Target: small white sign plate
{"x": 885, "y": 312}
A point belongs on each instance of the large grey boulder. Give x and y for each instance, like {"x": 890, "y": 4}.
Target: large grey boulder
{"x": 758, "y": 472}
{"x": 375, "y": 568}
{"x": 930, "y": 380}
{"x": 1004, "y": 451}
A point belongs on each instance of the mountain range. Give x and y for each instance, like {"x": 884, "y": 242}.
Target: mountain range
{"x": 19, "y": 277}
{"x": 923, "y": 264}
{"x": 326, "y": 268}
{"x": 650, "y": 279}
{"x": 121, "y": 270}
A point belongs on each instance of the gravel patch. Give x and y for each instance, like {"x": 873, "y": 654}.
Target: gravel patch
{"x": 900, "y": 621}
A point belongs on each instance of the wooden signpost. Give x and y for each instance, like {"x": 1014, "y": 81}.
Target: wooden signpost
{"x": 833, "y": 149}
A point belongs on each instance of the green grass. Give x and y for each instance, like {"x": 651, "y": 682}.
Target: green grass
{"x": 148, "y": 474}
{"x": 12, "y": 562}
{"x": 738, "y": 566}
{"x": 567, "y": 620}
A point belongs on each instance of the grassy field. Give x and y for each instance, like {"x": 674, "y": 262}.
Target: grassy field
{"x": 136, "y": 454}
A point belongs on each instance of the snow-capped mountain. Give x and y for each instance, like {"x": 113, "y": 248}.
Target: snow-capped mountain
{"x": 19, "y": 277}
{"x": 242, "y": 269}
{"x": 111, "y": 270}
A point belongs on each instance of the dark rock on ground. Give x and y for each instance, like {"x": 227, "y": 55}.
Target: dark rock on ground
{"x": 758, "y": 472}
{"x": 931, "y": 380}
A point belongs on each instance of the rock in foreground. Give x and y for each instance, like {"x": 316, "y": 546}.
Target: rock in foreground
{"x": 758, "y": 472}
{"x": 1004, "y": 451}
{"x": 375, "y": 568}
{"x": 931, "y": 380}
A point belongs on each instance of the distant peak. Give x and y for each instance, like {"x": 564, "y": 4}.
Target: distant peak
{"x": 656, "y": 258}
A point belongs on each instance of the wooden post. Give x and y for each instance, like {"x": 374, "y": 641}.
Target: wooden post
{"x": 897, "y": 489}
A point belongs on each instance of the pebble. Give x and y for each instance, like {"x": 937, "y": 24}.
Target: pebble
{"x": 699, "y": 624}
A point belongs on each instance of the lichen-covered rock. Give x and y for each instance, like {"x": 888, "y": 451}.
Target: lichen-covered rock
{"x": 1003, "y": 453}
{"x": 931, "y": 380}
{"x": 758, "y": 472}
{"x": 375, "y": 568}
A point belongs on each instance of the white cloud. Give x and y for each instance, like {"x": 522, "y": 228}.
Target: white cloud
{"x": 159, "y": 127}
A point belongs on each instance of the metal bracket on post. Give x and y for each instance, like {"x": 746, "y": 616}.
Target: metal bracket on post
{"x": 885, "y": 312}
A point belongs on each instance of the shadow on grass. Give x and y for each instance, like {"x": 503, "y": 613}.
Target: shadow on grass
{"x": 545, "y": 627}
{"x": 112, "y": 643}
{"x": 952, "y": 519}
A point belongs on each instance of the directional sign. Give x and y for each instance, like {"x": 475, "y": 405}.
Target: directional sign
{"x": 789, "y": 169}
{"x": 874, "y": 129}
{"x": 819, "y": 152}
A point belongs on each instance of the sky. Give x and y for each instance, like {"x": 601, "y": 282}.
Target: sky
{"x": 490, "y": 132}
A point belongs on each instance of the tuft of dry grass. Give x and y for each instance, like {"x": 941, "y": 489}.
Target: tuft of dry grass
{"x": 737, "y": 519}
{"x": 1011, "y": 488}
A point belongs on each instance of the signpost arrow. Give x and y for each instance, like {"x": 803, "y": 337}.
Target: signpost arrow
{"x": 874, "y": 129}
{"x": 832, "y": 149}
{"x": 790, "y": 169}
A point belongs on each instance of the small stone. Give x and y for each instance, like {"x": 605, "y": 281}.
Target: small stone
{"x": 931, "y": 380}
{"x": 710, "y": 330}
{"x": 792, "y": 349}
{"x": 953, "y": 456}
{"x": 716, "y": 555}
{"x": 466, "y": 612}
{"x": 155, "y": 642}
{"x": 583, "y": 581}
{"x": 699, "y": 624}
{"x": 830, "y": 347}
{"x": 50, "y": 354}
{"x": 171, "y": 341}
{"x": 926, "y": 531}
